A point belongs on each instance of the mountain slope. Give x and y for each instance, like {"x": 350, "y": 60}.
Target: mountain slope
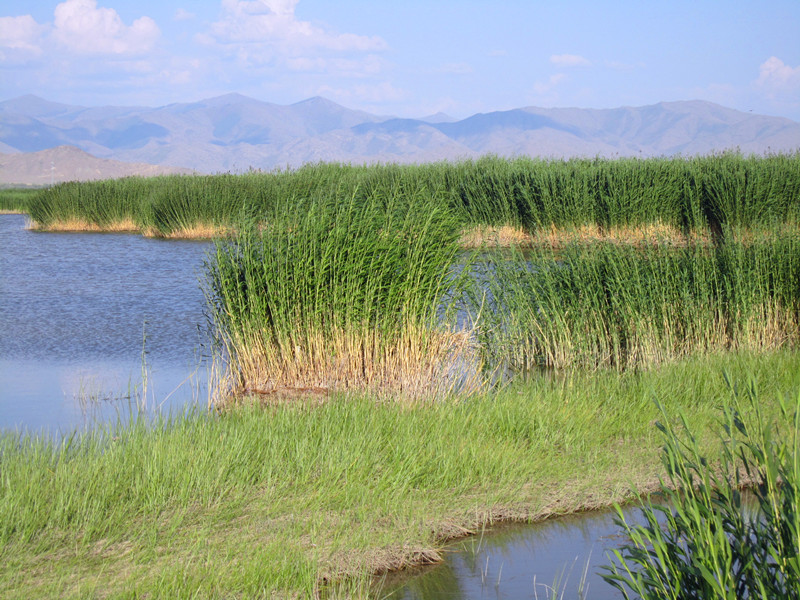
{"x": 234, "y": 132}
{"x": 67, "y": 163}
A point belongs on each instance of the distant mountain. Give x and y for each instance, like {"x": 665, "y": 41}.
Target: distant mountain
{"x": 67, "y": 163}
{"x": 439, "y": 117}
{"x": 234, "y": 132}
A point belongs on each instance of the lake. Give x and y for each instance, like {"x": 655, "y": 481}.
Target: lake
{"x": 84, "y": 313}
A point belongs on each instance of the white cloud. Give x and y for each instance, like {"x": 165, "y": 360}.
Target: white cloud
{"x": 545, "y": 87}
{"x": 547, "y": 92}
{"x": 182, "y": 14}
{"x": 777, "y": 78}
{"x": 21, "y": 34}
{"x": 364, "y": 94}
{"x": 84, "y": 28}
{"x": 356, "y": 68}
{"x": 569, "y": 60}
{"x": 623, "y": 66}
{"x": 271, "y": 26}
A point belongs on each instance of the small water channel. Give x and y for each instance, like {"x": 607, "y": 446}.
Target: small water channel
{"x": 560, "y": 557}
{"x": 91, "y": 324}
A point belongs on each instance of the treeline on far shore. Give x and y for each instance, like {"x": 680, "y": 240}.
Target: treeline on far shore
{"x": 667, "y": 197}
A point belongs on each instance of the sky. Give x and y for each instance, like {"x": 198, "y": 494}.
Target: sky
{"x": 408, "y": 59}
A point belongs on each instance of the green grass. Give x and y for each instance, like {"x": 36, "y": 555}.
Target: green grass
{"x": 708, "y": 540}
{"x": 16, "y": 200}
{"x": 685, "y": 195}
{"x": 342, "y": 282}
{"x": 278, "y": 500}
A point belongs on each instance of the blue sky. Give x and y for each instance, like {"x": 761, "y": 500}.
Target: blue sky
{"x": 410, "y": 58}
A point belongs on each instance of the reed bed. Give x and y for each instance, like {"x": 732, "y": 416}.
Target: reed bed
{"x": 686, "y": 196}
{"x": 622, "y": 306}
{"x": 16, "y": 200}
{"x": 337, "y": 274}
{"x": 353, "y": 294}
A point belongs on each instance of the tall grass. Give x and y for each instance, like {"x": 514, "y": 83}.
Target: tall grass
{"x": 16, "y": 200}
{"x": 258, "y": 503}
{"x": 707, "y": 540}
{"x": 342, "y": 294}
{"x": 622, "y": 306}
{"x": 683, "y": 195}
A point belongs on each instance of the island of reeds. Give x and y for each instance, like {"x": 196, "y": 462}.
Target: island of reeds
{"x": 414, "y": 352}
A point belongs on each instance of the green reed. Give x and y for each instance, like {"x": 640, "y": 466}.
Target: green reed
{"x": 623, "y": 306}
{"x": 16, "y": 200}
{"x": 684, "y": 194}
{"x": 336, "y": 294}
{"x": 707, "y": 540}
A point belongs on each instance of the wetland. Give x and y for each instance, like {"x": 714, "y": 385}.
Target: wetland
{"x": 681, "y": 302}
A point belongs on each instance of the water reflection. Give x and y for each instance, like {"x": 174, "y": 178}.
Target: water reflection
{"x": 562, "y": 555}
{"x": 82, "y": 314}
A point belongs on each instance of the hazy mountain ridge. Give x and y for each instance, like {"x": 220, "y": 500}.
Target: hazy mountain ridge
{"x": 68, "y": 163}
{"x": 234, "y": 132}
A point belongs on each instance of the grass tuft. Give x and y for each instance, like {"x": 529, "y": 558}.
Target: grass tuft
{"x": 354, "y": 294}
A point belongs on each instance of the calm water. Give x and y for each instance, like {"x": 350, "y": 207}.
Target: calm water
{"x": 525, "y": 562}
{"x": 78, "y": 312}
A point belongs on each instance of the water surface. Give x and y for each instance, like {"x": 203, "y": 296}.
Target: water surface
{"x": 525, "y": 562}
{"x": 81, "y": 314}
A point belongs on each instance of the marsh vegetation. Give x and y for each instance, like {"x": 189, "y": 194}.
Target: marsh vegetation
{"x": 668, "y": 199}
{"x": 16, "y": 200}
{"x": 398, "y": 380}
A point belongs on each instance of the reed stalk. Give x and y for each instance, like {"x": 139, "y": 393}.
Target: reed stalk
{"x": 609, "y": 305}
{"x": 354, "y": 294}
{"x": 706, "y": 540}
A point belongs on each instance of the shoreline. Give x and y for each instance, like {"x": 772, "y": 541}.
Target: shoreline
{"x": 296, "y": 497}
{"x": 470, "y": 238}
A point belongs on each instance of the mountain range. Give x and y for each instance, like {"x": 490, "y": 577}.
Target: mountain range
{"x": 236, "y": 133}
{"x": 68, "y": 163}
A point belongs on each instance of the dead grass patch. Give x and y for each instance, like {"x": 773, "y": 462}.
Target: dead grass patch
{"x": 495, "y": 237}
{"x": 650, "y": 235}
{"x": 654, "y": 234}
{"x": 81, "y": 225}
{"x": 199, "y": 231}
{"x": 419, "y": 366}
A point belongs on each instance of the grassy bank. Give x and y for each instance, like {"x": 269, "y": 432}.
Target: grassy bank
{"x": 680, "y": 198}
{"x": 254, "y": 503}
